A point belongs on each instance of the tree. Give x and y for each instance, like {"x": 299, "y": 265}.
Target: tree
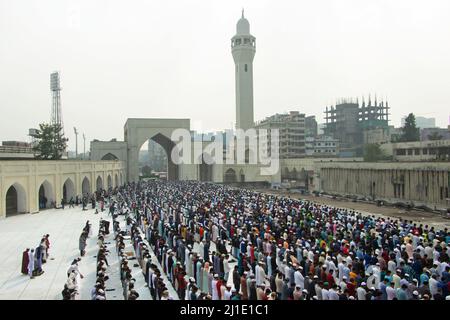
{"x": 373, "y": 153}
{"x": 50, "y": 142}
{"x": 409, "y": 130}
{"x": 434, "y": 136}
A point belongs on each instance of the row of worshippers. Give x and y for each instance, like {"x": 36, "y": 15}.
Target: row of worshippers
{"x": 359, "y": 257}
{"x": 126, "y": 278}
{"x": 33, "y": 259}
{"x": 71, "y": 287}
{"x": 152, "y": 275}
{"x": 98, "y": 292}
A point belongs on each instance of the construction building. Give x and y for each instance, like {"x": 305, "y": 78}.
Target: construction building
{"x": 355, "y": 125}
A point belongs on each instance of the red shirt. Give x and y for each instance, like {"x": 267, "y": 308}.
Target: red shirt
{"x": 181, "y": 281}
{"x": 218, "y": 285}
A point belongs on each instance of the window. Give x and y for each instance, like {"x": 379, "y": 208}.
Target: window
{"x": 245, "y": 67}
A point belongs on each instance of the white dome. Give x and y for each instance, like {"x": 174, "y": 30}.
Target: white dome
{"x": 243, "y": 26}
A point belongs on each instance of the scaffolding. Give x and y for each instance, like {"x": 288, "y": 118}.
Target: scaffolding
{"x": 352, "y": 123}
{"x": 367, "y": 115}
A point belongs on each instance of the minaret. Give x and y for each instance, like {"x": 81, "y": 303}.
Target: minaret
{"x": 243, "y": 50}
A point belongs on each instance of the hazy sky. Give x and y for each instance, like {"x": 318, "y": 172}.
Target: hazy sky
{"x": 121, "y": 59}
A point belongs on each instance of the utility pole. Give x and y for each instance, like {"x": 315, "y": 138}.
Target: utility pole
{"x": 84, "y": 146}
{"x": 76, "y": 142}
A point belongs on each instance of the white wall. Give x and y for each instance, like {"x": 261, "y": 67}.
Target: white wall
{"x": 27, "y": 177}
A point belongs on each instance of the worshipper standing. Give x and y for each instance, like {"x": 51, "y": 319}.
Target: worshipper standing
{"x": 31, "y": 263}
{"x": 38, "y": 260}
{"x": 82, "y": 243}
{"x": 47, "y": 245}
{"x": 44, "y": 248}
{"x": 25, "y": 261}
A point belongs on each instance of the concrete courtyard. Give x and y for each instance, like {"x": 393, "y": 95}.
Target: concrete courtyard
{"x": 64, "y": 226}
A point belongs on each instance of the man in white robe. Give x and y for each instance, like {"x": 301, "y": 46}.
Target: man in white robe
{"x": 31, "y": 263}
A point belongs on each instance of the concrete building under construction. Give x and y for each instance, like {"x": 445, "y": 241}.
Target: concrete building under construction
{"x": 355, "y": 125}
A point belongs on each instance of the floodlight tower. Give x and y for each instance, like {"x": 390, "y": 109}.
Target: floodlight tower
{"x": 56, "y": 99}
{"x": 76, "y": 142}
{"x": 84, "y": 146}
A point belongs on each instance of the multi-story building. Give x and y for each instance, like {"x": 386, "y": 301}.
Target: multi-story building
{"x": 291, "y": 128}
{"x": 434, "y": 150}
{"x": 321, "y": 146}
{"x": 355, "y": 125}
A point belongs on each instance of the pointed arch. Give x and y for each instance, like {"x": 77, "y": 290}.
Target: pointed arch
{"x": 68, "y": 191}
{"x": 15, "y": 200}
{"x": 110, "y": 156}
{"x": 86, "y": 186}
{"x": 205, "y": 167}
{"x": 99, "y": 183}
{"x": 230, "y": 176}
{"x": 241, "y": 175}
{"x": 109, "y": 181}
{"x": 46, "y": 195}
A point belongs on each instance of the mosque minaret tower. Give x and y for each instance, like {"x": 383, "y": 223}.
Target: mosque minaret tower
{"x": 243, "y": 48}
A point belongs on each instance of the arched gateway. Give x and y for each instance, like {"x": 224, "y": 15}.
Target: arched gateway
{"x": 136, "y": 133}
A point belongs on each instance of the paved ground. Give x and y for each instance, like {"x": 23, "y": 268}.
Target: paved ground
{"x": 25, "y": 231}
{"x": 64, "y": 226}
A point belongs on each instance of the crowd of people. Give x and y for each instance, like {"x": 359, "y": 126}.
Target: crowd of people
{"x": 33, "y": 259}
{"x": 98, "y": 292}
{"x": 215, "y": 242}
{"x": 222, "y": 243}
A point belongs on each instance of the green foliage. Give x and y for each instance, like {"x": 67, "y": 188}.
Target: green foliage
{"x": 50, "y": 142}
{"x": 373, "y": 153}
{"x": 409, "y": 130}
